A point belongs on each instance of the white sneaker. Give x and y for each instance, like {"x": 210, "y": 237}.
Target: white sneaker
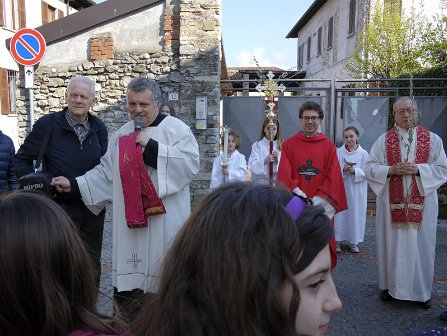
{"x": 337, "y": 247}
{"x": 354, "y": 248}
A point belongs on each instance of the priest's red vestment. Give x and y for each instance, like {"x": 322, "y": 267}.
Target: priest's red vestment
{"x": 311, "y": 164}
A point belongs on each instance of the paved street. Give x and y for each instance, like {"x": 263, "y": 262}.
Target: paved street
{"x": 356, "y": 280}
{"x": 363, "y": 313}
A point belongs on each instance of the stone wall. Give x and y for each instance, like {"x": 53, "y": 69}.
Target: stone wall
{"x": 189, "y": 66}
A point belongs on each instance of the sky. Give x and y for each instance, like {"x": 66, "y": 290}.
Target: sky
{"x": 258, "y": 28}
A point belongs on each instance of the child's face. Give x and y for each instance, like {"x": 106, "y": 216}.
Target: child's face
{"x": 319, "y": 297}
{"x": 231, "y": 144}
{"x": 273, "y": 131}
{"x": 350, "y": 138}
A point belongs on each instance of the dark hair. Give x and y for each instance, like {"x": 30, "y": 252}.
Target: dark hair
{"x": 310, "y": 105}
{"x": 141, "y": 84}
{"x": 47, "y": 279}
{"x": 225, "y": 270}
{"x": 235, "y": 135}
{"x": 352, "y": 128}
{"x": 170, "y": 106}
{"x": 355, "y": 130}
{"x": 278, "y": 136}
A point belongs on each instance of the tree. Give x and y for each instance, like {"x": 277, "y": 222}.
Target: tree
{"x": 435, "y": 43}
{"x": 390, "y": 44}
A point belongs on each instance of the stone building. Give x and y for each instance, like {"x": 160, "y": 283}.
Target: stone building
{"x": 15, "y": 15}
{"x": 175, "y": 42}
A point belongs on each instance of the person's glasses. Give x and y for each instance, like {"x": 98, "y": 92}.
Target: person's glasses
{"x": 406, "y": 110}
{"x": 313, "y": 118}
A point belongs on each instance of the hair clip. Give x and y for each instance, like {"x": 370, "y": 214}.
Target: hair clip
{"x": 296, "y": 206}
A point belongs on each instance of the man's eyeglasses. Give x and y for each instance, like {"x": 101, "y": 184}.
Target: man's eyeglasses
{"x": 408, "y": 110}
{"x": 313, "y": 118}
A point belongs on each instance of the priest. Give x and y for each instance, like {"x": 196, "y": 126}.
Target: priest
{"x": 309, "y": 166}
{"x": 148, "y": 188}
{"x": 405, "y": 167}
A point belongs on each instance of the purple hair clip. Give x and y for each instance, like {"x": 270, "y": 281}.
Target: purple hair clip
{"x": 295, "y": 207}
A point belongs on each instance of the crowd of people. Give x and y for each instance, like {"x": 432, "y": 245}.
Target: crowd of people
{"x": 256, "y": 254}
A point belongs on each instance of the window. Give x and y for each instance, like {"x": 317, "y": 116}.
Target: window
{"x": 48, "y": 13}
{"x": 52, "y": 13}
{"x": 308, "y": 48}
{"x": 2, "y": 14}
{"x": 319, "y": 41}
{"x": 12, "y": 76}
{"x": 7, "y": 91}
{"x": 300, "y": 56}
{"x": 330, "y": 33}
{"x": 351, "y": 28}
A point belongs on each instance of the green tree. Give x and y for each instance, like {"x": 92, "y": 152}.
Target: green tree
{"x": 435, "y": 43}
{"x": 390, "y": 44}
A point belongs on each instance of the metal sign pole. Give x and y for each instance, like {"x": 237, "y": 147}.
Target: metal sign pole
{"x": 29, "y": 84}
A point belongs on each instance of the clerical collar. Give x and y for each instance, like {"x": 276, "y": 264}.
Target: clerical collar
{"x": 309, "y": 136}
{"x": 158, "y": 119}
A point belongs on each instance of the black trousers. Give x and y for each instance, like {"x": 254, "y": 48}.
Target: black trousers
{"x": 90, "y": 227}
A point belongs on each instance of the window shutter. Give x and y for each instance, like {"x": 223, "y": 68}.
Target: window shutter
{"x": 45, "y": 18}
{"x": 2, "y": 15}
{"x": 4, "y": 91}
{"x": 22, "y": 14}
{"x": 60, "y": 14}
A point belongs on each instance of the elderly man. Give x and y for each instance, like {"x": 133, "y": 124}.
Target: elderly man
{"x": 77, "y": 142}
{"x": 170, "y": 157}
{"x": 309, "y": 166}
{"x": 405, "y": 167}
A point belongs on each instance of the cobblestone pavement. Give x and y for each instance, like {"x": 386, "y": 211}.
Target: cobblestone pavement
{"x": 363, "y": 313}
{"x": 355, "y": 277}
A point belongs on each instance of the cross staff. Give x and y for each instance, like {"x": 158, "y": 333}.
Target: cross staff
{"x": 270, "y": 88}
{"x": 224, "y": 163}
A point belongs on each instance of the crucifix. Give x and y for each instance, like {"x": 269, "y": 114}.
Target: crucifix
{"x": 270, "y": 87}
{"x": 135, "y": 260}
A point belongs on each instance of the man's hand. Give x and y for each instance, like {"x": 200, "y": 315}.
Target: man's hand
{"x": 142, "y": 139}
{"x": 404, "y": 168}
{"x": 61, "y": 184}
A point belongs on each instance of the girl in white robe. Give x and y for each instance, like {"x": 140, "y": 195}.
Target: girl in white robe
{"x": 236, "y": 169}
{"x": 260, "y": 156}
{"x": 350, "y": 224}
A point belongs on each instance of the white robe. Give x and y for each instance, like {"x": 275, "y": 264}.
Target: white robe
{"x": 137, "y": 253}
{"x": 237, "y": 169}
{"x": 406, "y": 256}
{"x": 350, "y": 224}
{"x": 259, "y": 170}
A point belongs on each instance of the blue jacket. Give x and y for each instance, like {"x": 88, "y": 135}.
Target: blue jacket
{"x": 8, "y": 178}
{"x": 64, "y": 155}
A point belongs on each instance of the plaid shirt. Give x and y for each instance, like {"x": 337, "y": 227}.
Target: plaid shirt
{"x": 81, "y": 129}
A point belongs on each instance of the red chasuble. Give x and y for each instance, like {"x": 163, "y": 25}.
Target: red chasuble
{"x": 311, "y": 164}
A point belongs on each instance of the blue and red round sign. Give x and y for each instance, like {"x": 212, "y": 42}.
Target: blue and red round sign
{"x": 27, "y": 46}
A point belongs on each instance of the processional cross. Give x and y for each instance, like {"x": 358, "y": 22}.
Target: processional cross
{"x": 270, "y": 87}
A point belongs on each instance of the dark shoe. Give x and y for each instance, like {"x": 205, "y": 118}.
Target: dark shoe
{"x": 443, "y": 315}
{"x": 426, "y": 304}
{"x": 385, "y": 296}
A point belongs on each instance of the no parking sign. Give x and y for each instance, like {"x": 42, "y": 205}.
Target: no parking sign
{"x": 27, "y": 46}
